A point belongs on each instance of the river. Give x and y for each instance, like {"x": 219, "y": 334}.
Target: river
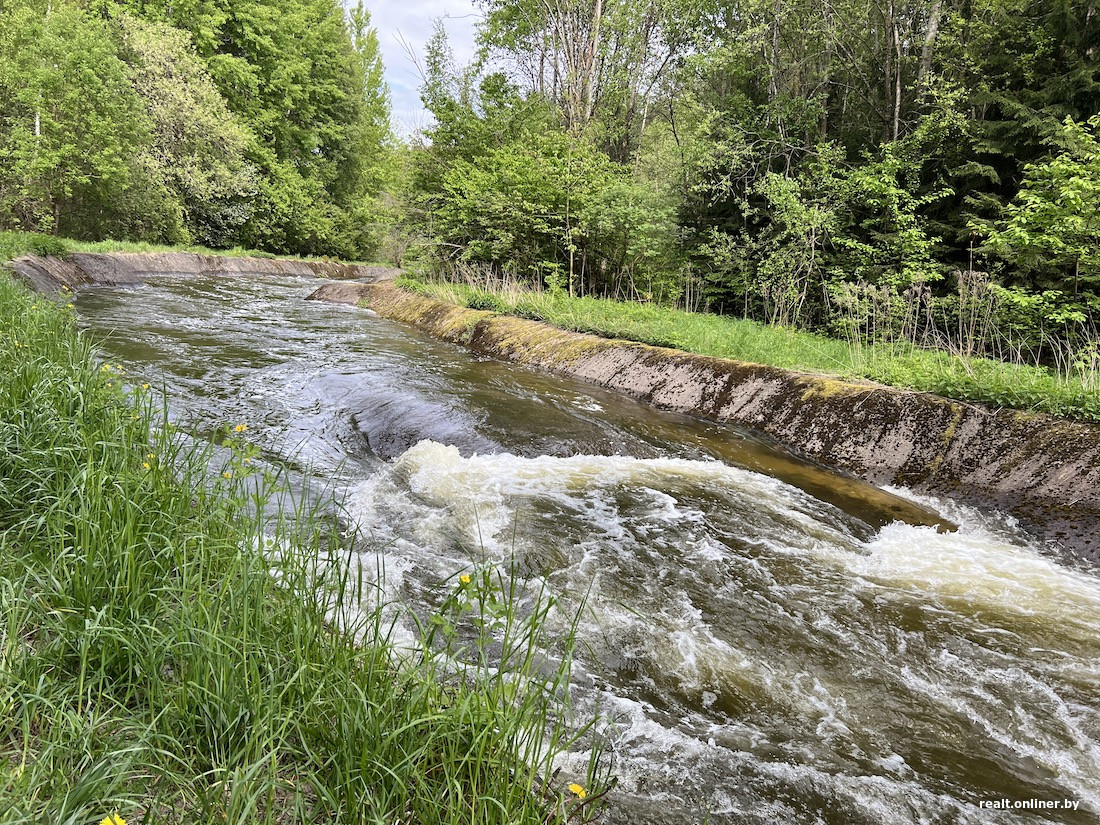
{"x": 767, "y": 642}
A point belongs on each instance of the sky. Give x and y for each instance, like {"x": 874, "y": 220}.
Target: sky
{"x": 412, "y": 21}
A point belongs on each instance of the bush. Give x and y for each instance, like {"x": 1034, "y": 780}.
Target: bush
{"x": 487, "y": 301}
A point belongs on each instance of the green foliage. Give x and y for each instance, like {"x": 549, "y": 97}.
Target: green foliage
{"x": 71, "y": 127}
{"x": 799, "y": 236}
{"x": 1052, "y": 227}
{"x": 170, "y": 646}
{"x": 883, "y": 198}
{"x": 16, "y": 244}
{"x": 220, "y": 123}
{"x": 197, "y": 147}
{"x": 500, "y": 185}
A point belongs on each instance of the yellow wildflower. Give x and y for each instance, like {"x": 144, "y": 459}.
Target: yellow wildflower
{"x": 240, "y": 428}
{"x": 578, "y": 791}
{"x": 150, "y": 456}
{"x": 227, "y": 474}
{"x": 464, "y": 579}
{"x": 113, "y": 819}
{"x": 145, "y": 386}
{"x": 146, "y": 465}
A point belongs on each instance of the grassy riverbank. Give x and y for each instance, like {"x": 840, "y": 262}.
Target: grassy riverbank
{"x": 996, "y": 383}
{"x": 167, "y": 654}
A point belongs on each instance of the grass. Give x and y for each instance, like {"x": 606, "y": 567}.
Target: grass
{"x": 996, "y": 383}
{"x": 16, "y": 244}
{"x": 172, "y": 651}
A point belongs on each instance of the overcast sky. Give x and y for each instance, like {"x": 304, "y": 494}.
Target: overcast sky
{"x": 412, "y": 21}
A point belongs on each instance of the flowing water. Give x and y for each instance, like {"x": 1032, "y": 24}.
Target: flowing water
{"x": 767, "y": 642}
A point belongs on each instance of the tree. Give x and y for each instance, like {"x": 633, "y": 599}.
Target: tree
{"x": 71, "y": 126}
{"x": 197, "y": 145}
{"x": 1051, "y": 230}
{"x": 304, "y": 80}
{"x": 596, "y": 61}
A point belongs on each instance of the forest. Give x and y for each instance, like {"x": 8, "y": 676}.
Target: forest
{"x": 914, "y": 168}
{"x": 926, "y": 170}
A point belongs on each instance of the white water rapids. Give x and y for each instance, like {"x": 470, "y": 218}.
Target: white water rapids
{"x": 761, "y": 648}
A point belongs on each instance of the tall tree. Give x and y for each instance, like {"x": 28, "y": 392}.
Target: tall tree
{"x": 597, "y": 61}
{"x": 197, "y": 146}
{"x": 71, "y": 126}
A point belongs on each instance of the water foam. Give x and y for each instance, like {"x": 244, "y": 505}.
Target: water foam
{"x": 658, "y": 545}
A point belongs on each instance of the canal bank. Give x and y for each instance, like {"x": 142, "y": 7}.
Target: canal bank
{"x": 47, "y": 274}
{"x": 1042, "y": 470}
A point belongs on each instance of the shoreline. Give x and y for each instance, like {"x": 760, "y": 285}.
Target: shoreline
{"x": 1043, "y": 471}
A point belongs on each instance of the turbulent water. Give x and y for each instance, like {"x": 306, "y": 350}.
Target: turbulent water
{"x": 766, "y": 642}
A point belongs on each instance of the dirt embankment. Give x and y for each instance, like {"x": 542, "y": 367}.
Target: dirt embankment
{"x": 47, "y": 274}
{"x": 1042, "y": 470}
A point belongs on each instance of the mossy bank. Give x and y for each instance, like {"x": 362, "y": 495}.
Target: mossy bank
{"x": 1042, "y": 470}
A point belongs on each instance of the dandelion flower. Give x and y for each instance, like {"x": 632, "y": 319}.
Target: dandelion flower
{"x": 227, "y": 474}
{"x": 464, "y": 579}
{"x": 146, "y": 465}
{"x": 113, "y": 819}
{"x": 578, "y": 791}
{"x": 240, "y": 428}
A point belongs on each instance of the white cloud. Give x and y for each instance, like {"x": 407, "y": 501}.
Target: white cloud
{"x": 412, "y": 21}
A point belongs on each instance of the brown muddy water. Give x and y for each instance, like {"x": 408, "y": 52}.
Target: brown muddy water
{"x": 766, "y": 642}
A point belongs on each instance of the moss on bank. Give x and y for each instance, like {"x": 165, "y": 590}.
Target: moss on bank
{"x": 994, "y": 383}
{"x": 171, "y": 653}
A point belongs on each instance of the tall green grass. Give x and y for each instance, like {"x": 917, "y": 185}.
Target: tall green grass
{"x": 171, "y": 650}
{"x": 972, "y": 379}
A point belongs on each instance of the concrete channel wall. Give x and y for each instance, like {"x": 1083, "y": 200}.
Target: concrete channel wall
{"x": 1042, "y": 470}
{"x": 47, "y": 274}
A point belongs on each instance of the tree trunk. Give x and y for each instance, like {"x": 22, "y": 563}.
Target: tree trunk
{"x": 773, "y": 58}
{"x": 931, "y": 31}
{"x": 897, "y": 82}
{"x": 593, "y": 61}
